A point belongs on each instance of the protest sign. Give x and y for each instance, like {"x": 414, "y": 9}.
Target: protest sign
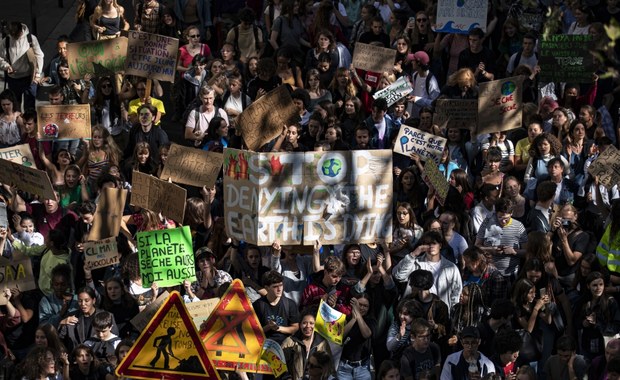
{"x": 335, "y": 197}
{"x": 373, "y": 58}
{"x": 201, "y": 310}
{"x": 144, "y": 317}
{"x": 65, "y": 122}
{"x": 166, "y": 256}
{"x": 264, "y": 119}
{"x": 566, "y": 58}
{"x": 191, "y": 166}
{"x": 151, "y": 56}
{"x": 17, "y": 274}
{"x": 107, "y": 220}
{"x": 4, "y": 219}
{"x": 460, "y": 113}
{"x": 158, "y": 196}
{"x": 461, "y": 16}
{"x": 330, "y": 323}
{"x": 102, "y": 253}
{"x": 607, "y": 167}
{"x": 273, "y": 355}
{"x": 499, "y": 105}
{"x": 395, "y": 91}
{"x": 27, "y": 179}
{"x": 426, "y": 145}
{"x": 436, "y": 180}
{"x": 103, "y": 57}
{"x": 20, "y": 154}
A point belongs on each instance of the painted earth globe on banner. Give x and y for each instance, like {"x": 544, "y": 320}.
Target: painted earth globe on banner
{"x": 331, "y": 167}
{"x": 508, "y": 88}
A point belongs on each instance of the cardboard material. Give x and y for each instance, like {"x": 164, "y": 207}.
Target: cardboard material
{"x": 426, "y": 145}
{"x": 103, "y": 57}
{"x": 30, "y": 180}
{"x": 566, "y": 58}
{"x": 102, "y": 253}
{"x": 395, "y": 91}
{"x": 20, "y": 154}
{"x": 499, "y": 105}
{"x": 264, "y": 119}
{"x": 462, "y": 113}
{"x": 297, "y": 198}
{"x": 191, "y": 166}
{"x": 151, "y": 56}
{"x": 166, "y": 256}
{"x": 16, "y": 273}
{"x": 158, "y": 196}
{"x": 66, "y": 122}
{"x": 201, "y": 310}
{"x": 607, "y": 167}
{"x": 461, "y": 16}
{"x": 144, "y": 317}
{"x": 373, "y": 58}
{"x": 436, "y": 180}
{"x": 107, "y": 221}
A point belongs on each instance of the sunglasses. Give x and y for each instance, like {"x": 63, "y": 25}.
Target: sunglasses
{"x": 194, "y": 36}
{"x": 422, "y": 20}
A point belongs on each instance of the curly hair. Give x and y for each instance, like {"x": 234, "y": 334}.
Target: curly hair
{"x": 556, "y": 145}
{"x": 32, "y": 366}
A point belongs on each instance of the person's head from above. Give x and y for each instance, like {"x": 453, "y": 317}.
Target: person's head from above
{"x": 566, "y": 347}
{"x": 40, "y": 363}
{"x": 199, "y": 63}
{"x": 420, "y": 334}
{"x": 587, "y": 114}
{"x": 612, "y": 349}
{"x": 421, "y": 282}
{"x": 319, "y": 365}
{"x": 489, "y": 194}
{"x": 315, "y": 124}
{"x": 389, "y": 370}
{"x": 86, "y": 211}
{"x": 379, "y": 109}
{"x": 324, "y": 62}
{"x": 247, "y": 16}
{"x": 507, "y": 343}
{"x": 8, "y": 101}
{"x": 301, "y": 99}
{"x": 217, "y": 129}
{"x": 207, "y": 97}
{"x": 56, "y": 96}
{"x": 503, "y": 211}
{"x": 545, "y": 191}
{"x": 102, "y": 325}
{"x": 475, "y": 260}
{"x": 464, "y": 79}
{"x": 61, "y": 281}
{"x": 526, "y": 372}
{"x": 471, "y": 296}
{"x": 334, "y": 270}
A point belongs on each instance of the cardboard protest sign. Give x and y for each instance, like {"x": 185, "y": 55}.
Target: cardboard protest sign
{"x": 201, "y": 310}
{"x": 264, "y": 119}
{"x": 373, "y": 58}
{"x": 462, "y": 113}
{"x": 273, "y": 354}
{"x": 158, "y": 196}
{"x": 17, "y": 274}
{"x": 297, "y": 198}
{"x": 103, "y": 57}
{"x": 426, "y": 145}
{"x": 607, "y": 167}
{"x": 191, "y": 166}
{"x": 330, "y": 323}
{"x": 4, "y": 219}
{"x": 566, "y": 58}
{"x": 499, "y": 105}
{"x": 151, "y": 56}
{"x": 20, "y": 154}
{"x": 65, "y": 122}
{"x": 102, "y": 253}
{"x": 395, "y": 91}
{"x": 436, "y": 180}
{"x": 30, "y": 180}
{"x": 107, "y": 220}
{"x": 166, "y": 256}
{"x": 144, "y": 317}
{"x": 461, "y": 16}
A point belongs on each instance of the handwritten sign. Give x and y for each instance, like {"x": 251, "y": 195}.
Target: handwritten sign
{"x": 20, "y": 154}
{"x": 103, "y": 57}
{"x": 298, "y": 198}
{"x": 499, "y": 105}
{"x": 373, "y": 58}
{"x": 461, "y": 16}
{"x": 102, "y": 253}
{"x": 107, "y": 219}
{"x": 191, "y": 166}
{"x": 436, "y": 180}
{"x": 158, "y": 196}
{"x": 264, "y": 119}
{"x": 25, "y": 178}
{"x": 566, "y": 58}
{"x": 65, "y": 122}
{"x": 17, "y": 274}
{"x": 607, "y": 167}
{"x": 426, "y": 145}
{"x": 151, "y": 56}
{"x": 460, "y": 113}
{"x": 166, "y": 256}
{"x": 201, "y": 310}
{"x": 395, "y": 91}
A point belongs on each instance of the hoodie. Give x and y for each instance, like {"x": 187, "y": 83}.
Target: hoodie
{"x": 18, "y": 57}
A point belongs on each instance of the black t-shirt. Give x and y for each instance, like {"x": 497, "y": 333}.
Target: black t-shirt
{"x": 284, "y": 313}
{"x": 414, "y": 363}
{"x": 472, "y": 60}
{"x": 578, "y": 242}
{"x": 356, "y": 347}
{"x": 369, "y": 37}
{"x": 22, "y": 335}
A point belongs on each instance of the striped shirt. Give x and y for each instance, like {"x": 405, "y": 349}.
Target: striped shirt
{"x": 512, "y": 235}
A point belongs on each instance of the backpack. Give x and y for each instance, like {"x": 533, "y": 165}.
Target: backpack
{"x": 518, "y": 58}
{"x": 30, "y": 53}
{"x": 236, "y": 41}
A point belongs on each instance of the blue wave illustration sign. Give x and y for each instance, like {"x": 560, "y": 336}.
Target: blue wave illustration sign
{"x": 460, "y": 16}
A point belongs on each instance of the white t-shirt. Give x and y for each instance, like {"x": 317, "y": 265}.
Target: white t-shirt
{"x": 204, "y": 119}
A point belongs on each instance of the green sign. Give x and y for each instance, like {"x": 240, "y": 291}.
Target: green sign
{"x": 566, "y": 58}
{"x": 166, "y": 257}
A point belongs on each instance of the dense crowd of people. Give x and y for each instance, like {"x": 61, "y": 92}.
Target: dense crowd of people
{"x": 515, "y": 276}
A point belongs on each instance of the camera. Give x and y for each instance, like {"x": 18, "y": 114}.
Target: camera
{"x": 565, "y": 222}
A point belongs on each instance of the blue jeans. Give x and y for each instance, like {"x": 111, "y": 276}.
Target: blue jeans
{"x": 352, "y": 372}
